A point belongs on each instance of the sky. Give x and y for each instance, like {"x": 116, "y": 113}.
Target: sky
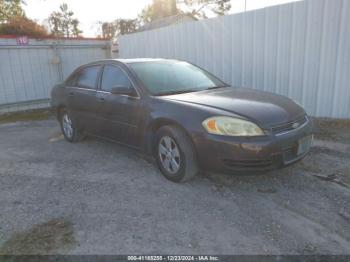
{"x": 90, "y": 12}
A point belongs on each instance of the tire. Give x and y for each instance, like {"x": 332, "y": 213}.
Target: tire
{"x": 178, "y": 166}
{"x": 71, "y": 134}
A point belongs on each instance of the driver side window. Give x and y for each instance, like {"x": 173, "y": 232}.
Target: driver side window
{"x": 113, "y": 76}
{"x": 87, "y": 77}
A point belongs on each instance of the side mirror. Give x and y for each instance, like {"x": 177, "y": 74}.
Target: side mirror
{"x": 122, "y": 90}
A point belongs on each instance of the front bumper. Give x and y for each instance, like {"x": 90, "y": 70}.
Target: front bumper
{"x": 226, "y": 154}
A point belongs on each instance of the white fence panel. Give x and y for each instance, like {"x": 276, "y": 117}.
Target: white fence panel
{"x": 301, "y": 50}
{"x": 28, "y": 72}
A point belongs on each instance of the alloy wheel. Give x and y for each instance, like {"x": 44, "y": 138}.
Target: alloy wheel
{"x": 67, "y": 126}
{"x": 169, "y": 154}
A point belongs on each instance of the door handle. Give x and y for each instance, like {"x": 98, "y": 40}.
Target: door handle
{"x": 71, "y": 94}
{"x": 101, "y": 100}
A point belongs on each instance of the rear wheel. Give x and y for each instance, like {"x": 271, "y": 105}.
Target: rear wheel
{"x": 175, "y": 154}
{"x": 69, "y": 130}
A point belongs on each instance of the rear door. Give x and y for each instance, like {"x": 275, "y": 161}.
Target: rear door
{"x": 82, "y": 97}
{"x": 120, "y": 115}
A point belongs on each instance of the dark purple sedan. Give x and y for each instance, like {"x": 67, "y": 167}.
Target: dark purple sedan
{"x": 183, "y": 116}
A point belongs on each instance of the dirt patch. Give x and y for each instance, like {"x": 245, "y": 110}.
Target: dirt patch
{"x": 332, "y": 129}
{"x": 42, "y": 239}
{"x": 329, "y": 159}
{"x": 38, "y": 114}
{"x": 327, "y": 163}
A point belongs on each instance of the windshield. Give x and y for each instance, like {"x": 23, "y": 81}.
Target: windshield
{"x": 174, "y": 77}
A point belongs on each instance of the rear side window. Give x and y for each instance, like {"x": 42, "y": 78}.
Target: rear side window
{"x": 113, "y": 76}
{"x": 87, "y": 77}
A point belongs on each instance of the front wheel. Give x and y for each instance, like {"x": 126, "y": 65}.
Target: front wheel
{"x": 69, "y": 130}
{"x": 175, "y": 154}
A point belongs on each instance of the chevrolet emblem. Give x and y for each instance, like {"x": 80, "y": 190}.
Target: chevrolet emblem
{"x": 295, "y": 125}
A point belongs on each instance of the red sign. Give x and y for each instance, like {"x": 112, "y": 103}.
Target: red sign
{"x": 22, "y": 40}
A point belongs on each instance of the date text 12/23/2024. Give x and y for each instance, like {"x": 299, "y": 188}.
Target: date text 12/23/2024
{"x": 173, "y": 258}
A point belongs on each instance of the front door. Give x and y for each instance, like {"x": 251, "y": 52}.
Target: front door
{"x": 120, "y": 115}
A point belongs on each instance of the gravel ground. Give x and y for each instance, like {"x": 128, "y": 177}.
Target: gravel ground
{"x": 96, "y": 197}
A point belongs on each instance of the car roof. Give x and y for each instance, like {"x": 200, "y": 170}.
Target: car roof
{"x": 137, "y": 60}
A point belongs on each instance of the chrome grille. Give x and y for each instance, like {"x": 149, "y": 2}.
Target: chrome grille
{"x": 286, "y": 127}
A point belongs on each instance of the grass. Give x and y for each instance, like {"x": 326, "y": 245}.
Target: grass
{"x": 337, "y": 123}
{"x": 32, "y": 115}
{"x": 42, "y": 239}
{"x": 332, "y": 129}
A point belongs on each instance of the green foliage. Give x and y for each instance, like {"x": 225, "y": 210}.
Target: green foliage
{"x": 14, "y": 22}
{"x": 10, "y": 8}
{"x": 63, "y": 23}
{"x": 21, "y": 25}
{"x": 158, "y": 9}
{"x": 197, "y": 8}
{"x": 118, "y": 27}
{"x": 147, "y": 15}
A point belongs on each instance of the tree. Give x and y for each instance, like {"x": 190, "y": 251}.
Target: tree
{"x": 118, "y": 27}
{"x": 158, "y": 9}
{"x": 14, "y": 22}
{"x": 197, "y": 8}
{"x": 21, "y": 25}
{"x": 62, "y": 23}
{"x": 10, "y": 8}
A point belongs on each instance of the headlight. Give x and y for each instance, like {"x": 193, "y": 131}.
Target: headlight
{"x": 229, "y": 126}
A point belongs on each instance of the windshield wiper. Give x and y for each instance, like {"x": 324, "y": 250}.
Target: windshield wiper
{"x": 216, "y": 87}
{"x": 178, "y": 92}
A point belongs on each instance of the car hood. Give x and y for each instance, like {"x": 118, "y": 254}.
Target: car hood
{"x": 265, "y": 108}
